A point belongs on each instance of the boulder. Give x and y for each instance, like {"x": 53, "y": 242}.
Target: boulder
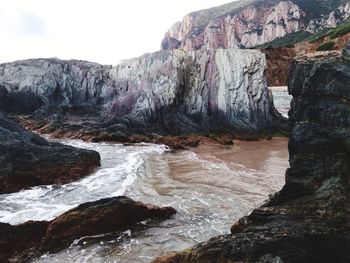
{"x": 21, "y": 243}
{"x": 27, "y": 160}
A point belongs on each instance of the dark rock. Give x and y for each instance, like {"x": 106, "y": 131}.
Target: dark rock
{"x": 4, "y": 98}
{"x": 103, "y": 216}
{"x": 27, "y": 159}
{"x": 309, "y": 219}
{"x": 21, "y": 243}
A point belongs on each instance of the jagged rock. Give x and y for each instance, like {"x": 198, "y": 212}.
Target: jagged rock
{"x": 111, "y": 215}
{"x": 309, "y": 219}
{"x": 167, "y": 92}
{"x": 251, "y": 23}
{"x": 27, "y": 159}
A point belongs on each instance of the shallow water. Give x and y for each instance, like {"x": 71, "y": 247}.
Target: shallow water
{"x": 210, "y": 186}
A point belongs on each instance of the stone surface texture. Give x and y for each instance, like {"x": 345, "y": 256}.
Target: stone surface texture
{"x": 308, "y": 220}
{"x": 167, "y": 92}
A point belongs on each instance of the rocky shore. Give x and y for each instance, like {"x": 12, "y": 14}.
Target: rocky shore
{"x": 26, "y": 159}
{"x": 21, "y": 243}
{"x": 167, "y": 93}
{"x": 308, "y": 220}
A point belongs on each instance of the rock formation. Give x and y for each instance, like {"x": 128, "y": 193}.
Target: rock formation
{"x": 247, "y": 24}
{"x": 279, "y": 61}
{"x": 309, "y": 219}
{"x": 111, "y": 215}
{"x": 27, "y": 159}
{"x": 167, "y": 92}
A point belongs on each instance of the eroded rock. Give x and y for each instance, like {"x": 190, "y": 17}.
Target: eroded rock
{"x": 100, "y": 217}
{"x": 111, "y": 215}
{"x": 27, "y": 159}
{"x": 165, "y": 93}
{"x": 309, "y": 219}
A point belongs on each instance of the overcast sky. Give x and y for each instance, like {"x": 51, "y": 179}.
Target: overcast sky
{"x": 103, "y": 31}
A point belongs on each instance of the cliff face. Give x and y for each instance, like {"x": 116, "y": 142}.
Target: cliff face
{"x": 169, "y": 92}
{"x": 308, "y": 220}
{"x": 246, "y": 24}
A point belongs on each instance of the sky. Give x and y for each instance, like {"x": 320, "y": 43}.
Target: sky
{"x": 103, "y": 31}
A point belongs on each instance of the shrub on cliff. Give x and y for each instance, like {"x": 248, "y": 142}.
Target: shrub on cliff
{"x": 326, "y": 46}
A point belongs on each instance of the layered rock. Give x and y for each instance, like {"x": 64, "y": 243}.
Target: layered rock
{"x": 111, "y": 215}
{"x": 27, "y": 159}
{"x": 167, "y": 92}
{"x": 308, "y": 220}
{"x": 246, "y": 24}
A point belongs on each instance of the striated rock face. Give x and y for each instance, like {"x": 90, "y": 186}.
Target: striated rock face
{"x": 167, "y": 92}
{"x": 309, "y": 219}
{"x": 111, "y": 215}
{"x": 246, "y": 24}
{"x": 28, "y": 160}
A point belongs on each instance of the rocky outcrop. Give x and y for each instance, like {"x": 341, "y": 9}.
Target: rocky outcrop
{"x": 247, "y": 24}
{"x": 337, "y": 16}
{"x": 279, "y": 61}
{"x": 111, "y": 215}
{"x": 167, "y": 92}
{"x": 100, "y": 217}
{"x": 27, "y": 159}
{"x": 308, "y": 220}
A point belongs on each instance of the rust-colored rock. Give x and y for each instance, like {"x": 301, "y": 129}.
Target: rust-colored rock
{"x": 279, "y": 61}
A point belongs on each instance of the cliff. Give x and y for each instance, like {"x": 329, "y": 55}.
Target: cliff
{"x": 247, "y": 24}
{"x": 167, "y": 92}
{"x": 308, "y": 220}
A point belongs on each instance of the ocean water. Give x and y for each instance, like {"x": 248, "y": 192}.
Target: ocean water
{"x": 281, "y": 99}
{"x": 210, "y": 186}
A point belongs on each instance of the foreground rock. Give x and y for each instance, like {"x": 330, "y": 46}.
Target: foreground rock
{"x": 27, "y": 159}
{"x": 164, "y": 93}
{"x": 309, "y": 219}
{"x": 103, "y": 216}
{"x": 111, "y": 215}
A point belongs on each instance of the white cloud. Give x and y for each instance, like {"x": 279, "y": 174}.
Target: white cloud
{"x": 104, "y": 31}
{"x": 28, "y": 25}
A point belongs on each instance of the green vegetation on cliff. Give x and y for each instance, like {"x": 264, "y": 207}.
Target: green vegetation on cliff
{"x": 287, "y": 41}
{"x": 332, "y": 33}
{"x": 326, "y": 46}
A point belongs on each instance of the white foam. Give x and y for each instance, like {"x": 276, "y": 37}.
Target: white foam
{"x": 120, "y": 168}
